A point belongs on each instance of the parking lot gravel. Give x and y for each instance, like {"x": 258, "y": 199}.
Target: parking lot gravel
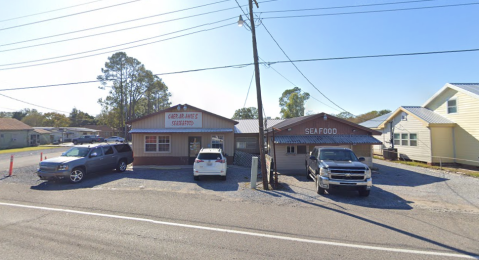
{"x": 396, "y": 186}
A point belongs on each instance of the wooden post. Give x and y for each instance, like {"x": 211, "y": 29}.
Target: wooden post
{"x": 274, "y": 153}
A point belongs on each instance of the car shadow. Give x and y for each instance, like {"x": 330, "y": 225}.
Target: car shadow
{"x": 386, "y": 175}
{"x": 137, "y": 176}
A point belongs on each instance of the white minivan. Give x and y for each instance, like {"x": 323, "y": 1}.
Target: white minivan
{"x": 210, "y": 161}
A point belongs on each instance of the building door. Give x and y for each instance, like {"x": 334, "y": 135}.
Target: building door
{"x": 194, "y": 147}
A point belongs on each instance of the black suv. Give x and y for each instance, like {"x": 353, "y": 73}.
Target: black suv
{"x": 80, "y": 160}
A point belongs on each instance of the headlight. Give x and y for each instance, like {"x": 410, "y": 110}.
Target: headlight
{"x": 368, "y": 173}
{"x": 63, "y": 167}
{"x": 324, "y": 172}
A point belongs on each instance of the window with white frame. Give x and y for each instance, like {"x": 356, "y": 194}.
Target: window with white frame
{"x": 163, "y": 143}
{"x": 159, "y": 143}
{"x": 413, "y": 139}
{"x": 290, "y": 149}
{"x": 397, "y": 139}
{"x": 405, "y": 139}
{"x": 451, "y": 106}
{"x": 217, "y": 141}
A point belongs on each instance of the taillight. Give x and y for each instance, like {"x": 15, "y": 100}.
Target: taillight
{"x": 198, "y": 161}
{"x": 220, "y": 161}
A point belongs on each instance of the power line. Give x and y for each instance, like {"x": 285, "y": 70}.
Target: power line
{"x": 133, "y": 20}
{"x": 10, "y": 19}
{"x": 33, "y": 104}
{"x": 266, "y": 63}
{"x": 304, "y": 76}
{"x": 126, "y": 48}
{"x": 347, "y": 6}
{"x": 247, "y": 94}
{"x": 298, "y": 87}
{"x": 59, "y": 17}
{"x": 365, "y": 12}
{"x": 119, "y": 30}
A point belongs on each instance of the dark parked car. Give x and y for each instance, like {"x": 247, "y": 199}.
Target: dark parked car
{"x": 88, "y": 139}
{"x": 80, "y": 160}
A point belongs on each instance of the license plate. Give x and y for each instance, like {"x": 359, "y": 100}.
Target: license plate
{"x": 209, "y": 163}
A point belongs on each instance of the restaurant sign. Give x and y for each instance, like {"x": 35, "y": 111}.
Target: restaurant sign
{"x": 183, "y": 120}
{"x": 320, "y": 131}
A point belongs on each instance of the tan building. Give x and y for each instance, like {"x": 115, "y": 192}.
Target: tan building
{"x": 445, "y": 129}
{"x": 294, "y": 138}
{"x": 14, "y": 133}
{"x": 175, "y": 135}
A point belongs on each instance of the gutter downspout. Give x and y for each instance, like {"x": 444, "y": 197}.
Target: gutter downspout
{"x": 454, "y": 143}
{"x": 430, "y": 143}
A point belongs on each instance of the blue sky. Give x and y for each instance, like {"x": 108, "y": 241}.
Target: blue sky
{"x": 356, "y": 85}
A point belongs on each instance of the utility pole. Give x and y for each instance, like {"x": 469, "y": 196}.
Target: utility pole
{"x": 258, "y": 95}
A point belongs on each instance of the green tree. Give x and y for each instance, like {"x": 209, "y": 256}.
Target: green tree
{"x": 134, "y": 90}
{"x": 246, "y": 113}
{"x": 292, "y": 102}
{"x": 33, "y": 118}
{"x": 363, "y": 117}
{"x": 19, "y": 115}
{"x": 6, "y": 114}
{"x": 56, "y": 120}
{"x": 80, "y": 118}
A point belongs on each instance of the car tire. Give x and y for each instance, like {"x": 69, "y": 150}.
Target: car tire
{"x": 75, "y": 143}
{"x": 197, "y": 178}
{"x": 77, "y": 175}
{"x": 364, "y": 193}
{"x": 121, "y": 167}
{"x": 319, "y": 190}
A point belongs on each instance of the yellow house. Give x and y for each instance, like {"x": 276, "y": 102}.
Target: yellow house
{"x": 445, "y": 129}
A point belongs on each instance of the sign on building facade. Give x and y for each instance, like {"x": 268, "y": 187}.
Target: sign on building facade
{"x": 183, "y": 119}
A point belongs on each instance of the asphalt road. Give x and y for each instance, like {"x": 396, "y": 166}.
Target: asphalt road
{"x": 164, "y": 214}
{"x": 29, "y": 158}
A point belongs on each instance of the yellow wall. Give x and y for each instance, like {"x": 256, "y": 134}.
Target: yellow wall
{"x": 442, "y": 146}
{"x": 467, "y": 119}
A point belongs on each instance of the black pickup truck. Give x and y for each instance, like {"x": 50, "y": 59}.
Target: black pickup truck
{"x": 334, "y": 167}
{"x": 88, "y": 139}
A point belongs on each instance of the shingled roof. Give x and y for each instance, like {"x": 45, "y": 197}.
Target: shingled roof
{"x": 13, "y": 124}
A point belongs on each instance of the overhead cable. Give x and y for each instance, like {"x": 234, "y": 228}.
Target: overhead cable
{"x": 59, "y": 17}
{"x": 268, "y": 63}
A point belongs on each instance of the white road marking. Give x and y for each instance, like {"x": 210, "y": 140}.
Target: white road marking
{"x": 377, "y": 248}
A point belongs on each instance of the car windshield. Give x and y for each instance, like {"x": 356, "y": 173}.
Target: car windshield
{"x": 337, "y": 155}
{"x": 209, "y": 156}
{"x": 77, "y": 152}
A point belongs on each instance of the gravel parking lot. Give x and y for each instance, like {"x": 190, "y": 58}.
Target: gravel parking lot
{"x": 396, "y": 186}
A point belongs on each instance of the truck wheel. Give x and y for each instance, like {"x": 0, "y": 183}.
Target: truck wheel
{"x": 75, "y": 143}
{"x": 319, "y": 190}
{"x": 121, "y": 167}
{"x": 364, "y": 192}
{"x": 76, "y": 175}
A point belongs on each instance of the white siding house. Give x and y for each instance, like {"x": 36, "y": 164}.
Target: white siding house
{"x": 444, "y": 130}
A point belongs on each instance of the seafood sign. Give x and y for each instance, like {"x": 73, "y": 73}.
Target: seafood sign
{"x": 183, "y": 120}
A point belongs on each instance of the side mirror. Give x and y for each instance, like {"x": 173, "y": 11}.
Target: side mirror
{"x": 361, "y": 159}
{"x": 93, "y": 155}
{"x": 312, "y": 158}
{"x": 63, "y": 154}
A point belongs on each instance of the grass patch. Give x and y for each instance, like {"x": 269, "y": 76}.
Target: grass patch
{"x": 26, "y": 149}
{"x": 459, "y": 170}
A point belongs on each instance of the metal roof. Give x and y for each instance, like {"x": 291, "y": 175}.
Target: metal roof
{"x": 251, "y": 126}
{"x": 326, "y": 139}
{"x": 375, "y": 122}
{"x": 427, "y": 115}
{"x": 470, "y": 87}
{"x": 180, "y": 130}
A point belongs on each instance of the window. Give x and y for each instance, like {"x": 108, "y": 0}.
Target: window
{"x": 290, "y": 149}
{"x": 413, "y": 139}
{"x": 163, "y": 143}
{"x": 404, "y": 116}
{"x": 159, "y": 143}
{"x": 217, "y": 141}
{"x": 246, "y": 143}
{"x": 150, "y": 143}
{"x": 108, "y": 150}
{"x": 397, "y": 140}
{"x": 301, "y": 149}
{"x": 451, "y": 106}
{"x": 404, "y": 139}
{"x": 98, "y": 151}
